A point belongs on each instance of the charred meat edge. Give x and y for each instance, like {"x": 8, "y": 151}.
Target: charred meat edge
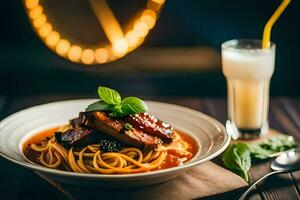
{"x": 116, "y": 128}
{"x": 152, "y": 126}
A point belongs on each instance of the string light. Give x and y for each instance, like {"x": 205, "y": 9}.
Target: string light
{"x": 62, "y": 47}
{"x": 149, "y": 18}
{"x": 88, "y": 56}
{"x": 140, "y": 28}
{"x": 31, "y": 3}
{"x": 36, "y": 12}
{"x": 52, "y": 39}
{"x": 75, "y": 53}
{"x": 120, "y": 47}
{"x": 38, "y": 22}
{"x": 45, "y": 30}
{"x": 132, "y": 38}
{"x": 101, "y": 55}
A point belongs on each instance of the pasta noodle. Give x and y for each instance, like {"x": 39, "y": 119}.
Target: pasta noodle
{"x": 90, "y": 159}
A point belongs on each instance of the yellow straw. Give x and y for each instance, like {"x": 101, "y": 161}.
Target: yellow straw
{"x": 272, "y": 20}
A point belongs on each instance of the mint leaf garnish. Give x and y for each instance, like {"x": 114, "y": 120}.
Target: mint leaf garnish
{"x": 109, "y": 96}
{"x": 133, "y": 105}
{"x": 111, "y": 102}
{"x": 117, "y": 111}
{"x": 98, "y": 106}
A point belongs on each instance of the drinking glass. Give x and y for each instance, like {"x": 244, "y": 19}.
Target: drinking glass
{"x": 248, "y": 70}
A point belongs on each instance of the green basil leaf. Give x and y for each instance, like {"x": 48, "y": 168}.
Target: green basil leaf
{"x": 237, "y": 158}
{"x": 109, "y": 96}
{"x": 270, "y": 146}
{"x": 117, "y": 111}
{"x": 116, "y": 114}
{"x": 279, "y": 143}
{"x": 133, "y": 105}
{"x": 258, "y": 152}
{"x": 99, "y": 106}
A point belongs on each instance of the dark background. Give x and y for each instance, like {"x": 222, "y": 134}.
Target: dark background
{"x": 28, "y": 67}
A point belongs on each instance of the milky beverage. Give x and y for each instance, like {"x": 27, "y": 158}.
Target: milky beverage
{"x": 248, "y": 74}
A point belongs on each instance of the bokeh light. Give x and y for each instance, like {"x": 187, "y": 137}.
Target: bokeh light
{"x": 40, "y": 21}
{"x": 52, "y": 39}
{"x": 31, "y": 3}
{"x": 62, "y": 47}
{"x": 74, "y": 53}
{"x": 88, "y": 56}
{"x": 45, "y": 30}
{"x": 132, "y": 38}
{"x": 101, "y": 55}
{"x": 120, "y": 47}
{"x": 149, "y": 17}
{"x": 36, "y": 12}
{"x": 140, "y": 28}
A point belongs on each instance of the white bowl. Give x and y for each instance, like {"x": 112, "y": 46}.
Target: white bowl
{"x": 17, "y": 128}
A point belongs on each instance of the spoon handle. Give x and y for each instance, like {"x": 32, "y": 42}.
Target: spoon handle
{"x": 259, "y": 180}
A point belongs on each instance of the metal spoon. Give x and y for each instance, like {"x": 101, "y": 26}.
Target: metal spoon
{"x": 287, "y": 162}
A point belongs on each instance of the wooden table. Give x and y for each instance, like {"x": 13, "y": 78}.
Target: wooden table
{"x": 19, "y": 183}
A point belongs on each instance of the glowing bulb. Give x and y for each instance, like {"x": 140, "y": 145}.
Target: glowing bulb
{"x": 74, "y": 53}
{"x": 88, "y": 56}
{"x": 140, "y": 28}
{"x": 52, "y": 38}
{"x": 40, "y": 21}
{"x": 31, "y": 3}
{"x": 149, "y": 18}
{"x": 62, "y": 47}
{"x": 45, "y": 30}
{"x": 101, "y": 55}
{"x": 120, "y": 47}
{"x": 36, "y": 12}
{"x": 132, "y": 38}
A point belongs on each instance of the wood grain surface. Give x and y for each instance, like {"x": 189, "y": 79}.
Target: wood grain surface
{"x": 20, "y": 183}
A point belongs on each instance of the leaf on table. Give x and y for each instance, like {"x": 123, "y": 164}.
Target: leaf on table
{"x": 271, "y": 146}
{"x": 237, "y": 158}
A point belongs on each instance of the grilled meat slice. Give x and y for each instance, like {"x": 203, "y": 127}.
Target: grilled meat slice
{"x": 72, "y": 137}
{"x": 116, "y": 128}
{"x": 75, "y": 122}
{"x": 80, "y": 136}
{"x": 152, "y": 126}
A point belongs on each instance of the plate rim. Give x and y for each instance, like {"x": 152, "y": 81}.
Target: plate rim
{"x": 55, "y": 172}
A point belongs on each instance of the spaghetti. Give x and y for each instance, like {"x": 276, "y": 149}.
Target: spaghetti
{"x": 90, "y": 159}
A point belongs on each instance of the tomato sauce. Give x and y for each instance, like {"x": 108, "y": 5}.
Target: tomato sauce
{"x": 37, "y": 139}
{"x": 172, "y": 159}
